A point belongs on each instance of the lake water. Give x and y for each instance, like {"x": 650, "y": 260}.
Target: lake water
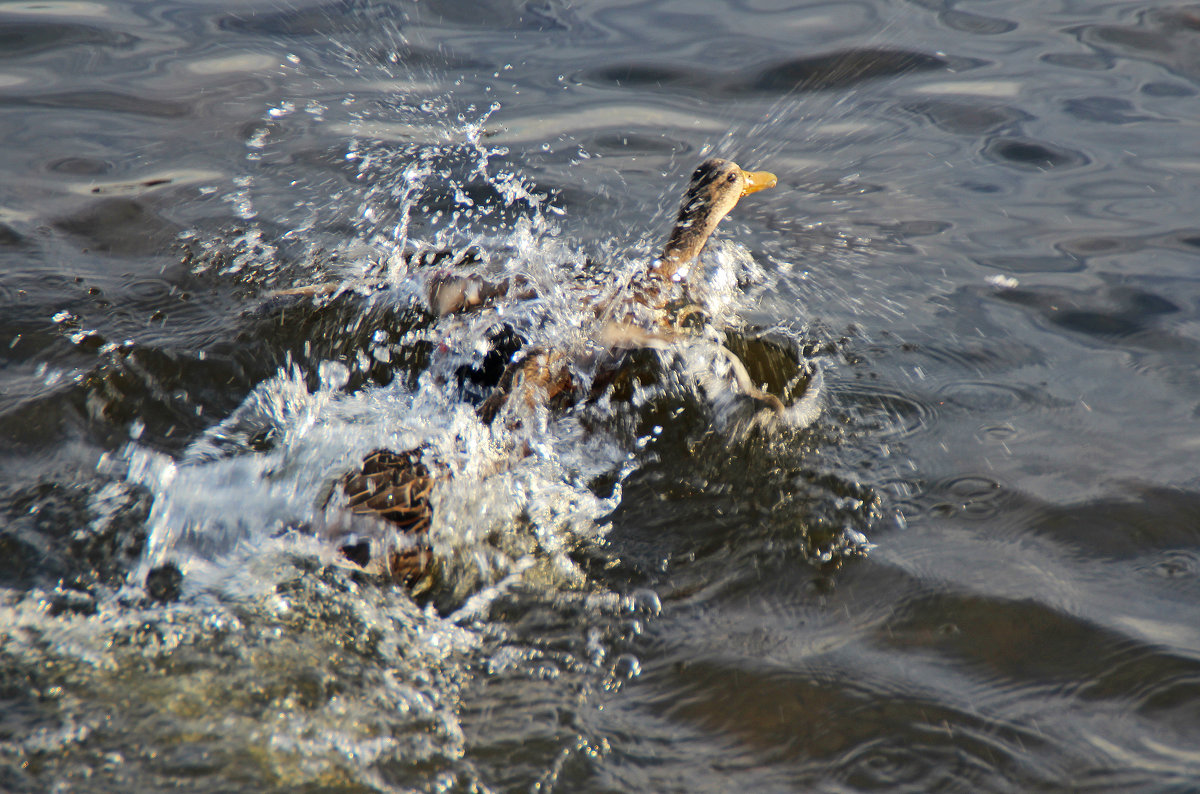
{"x": 975, "y": 570}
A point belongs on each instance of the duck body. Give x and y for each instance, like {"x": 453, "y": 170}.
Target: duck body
{"x": 517, "y": 381}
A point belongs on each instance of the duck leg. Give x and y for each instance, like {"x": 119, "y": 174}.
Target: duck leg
{"x": 741, "y": 377}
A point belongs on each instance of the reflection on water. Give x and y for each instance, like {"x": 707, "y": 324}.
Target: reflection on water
{"x": 981, "y": 243}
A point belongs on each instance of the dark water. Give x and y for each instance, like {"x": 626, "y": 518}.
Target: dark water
{"x": 984, "y": 232}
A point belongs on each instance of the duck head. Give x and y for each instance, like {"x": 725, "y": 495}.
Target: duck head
{"x": 714, "y": 190}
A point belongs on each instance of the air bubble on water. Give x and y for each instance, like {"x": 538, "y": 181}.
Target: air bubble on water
{"x": 643, "y": 601}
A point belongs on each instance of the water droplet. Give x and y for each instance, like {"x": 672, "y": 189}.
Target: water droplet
{"x": 627, "y": 666}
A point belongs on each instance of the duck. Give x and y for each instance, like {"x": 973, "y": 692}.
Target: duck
{"x": 715, "y": 188}
{"x": 393, "y": 489}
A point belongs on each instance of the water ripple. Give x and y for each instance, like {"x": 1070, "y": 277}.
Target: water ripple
{"x": 1009, "y": 193}
{"x": 889, "y": 413}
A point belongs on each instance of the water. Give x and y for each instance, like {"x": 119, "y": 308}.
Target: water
{"x": 982, "y": 242}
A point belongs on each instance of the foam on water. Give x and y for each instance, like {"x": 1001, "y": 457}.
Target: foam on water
{"x": 318, "y": 679}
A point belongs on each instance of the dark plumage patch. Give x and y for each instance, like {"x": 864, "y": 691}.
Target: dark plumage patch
{"x": 705, "y": 174}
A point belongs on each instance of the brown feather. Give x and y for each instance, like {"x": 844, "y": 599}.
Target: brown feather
{"x": 395, "y": 487}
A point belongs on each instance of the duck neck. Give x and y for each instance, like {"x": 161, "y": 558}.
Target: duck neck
{"x": 695, "y": 225}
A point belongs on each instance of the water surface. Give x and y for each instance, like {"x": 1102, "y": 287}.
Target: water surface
{"x": 983, "y": 237}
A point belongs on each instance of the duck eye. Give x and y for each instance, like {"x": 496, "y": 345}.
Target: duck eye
{"x": 731, "y": 178}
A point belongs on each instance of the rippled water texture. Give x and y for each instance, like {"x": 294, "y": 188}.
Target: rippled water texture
{"x": 982, "y": 250}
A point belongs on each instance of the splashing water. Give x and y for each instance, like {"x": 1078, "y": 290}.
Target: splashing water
{"x": 241, "y": 512}
{"x": 520, "y": 499}
{"x": 280, "y": 661}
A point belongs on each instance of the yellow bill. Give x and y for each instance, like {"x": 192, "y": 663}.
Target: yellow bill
{"x": 758, "y": 180}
